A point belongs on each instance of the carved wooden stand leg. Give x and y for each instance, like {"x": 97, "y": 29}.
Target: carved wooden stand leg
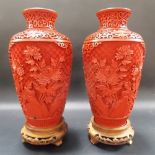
{"x": 110, "y": 136}
{"x": 40, "y": 136}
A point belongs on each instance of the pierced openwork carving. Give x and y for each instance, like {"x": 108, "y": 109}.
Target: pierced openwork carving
{"x": 38, "y": 136}
{"x": 113, "y": 136}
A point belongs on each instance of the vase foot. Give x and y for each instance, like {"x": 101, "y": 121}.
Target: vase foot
{"x": 110, "y": 136}
{"x": 44, "y": 136}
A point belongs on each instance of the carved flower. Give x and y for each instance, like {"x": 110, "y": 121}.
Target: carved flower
{"x": 32, "y": 52}
{"x": 37, "y": 56}
{"x": 108, "y": 76}
{"x": 124, "y": 54}
{"x": 48, "y": 75}
{"x": 33, "y": 58}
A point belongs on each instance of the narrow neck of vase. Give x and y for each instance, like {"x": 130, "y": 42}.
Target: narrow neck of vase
{"x": 114, "y": 18}
{"x": 40, "y": 18}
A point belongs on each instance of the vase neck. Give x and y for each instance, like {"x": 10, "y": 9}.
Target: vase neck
{"x": 40, "y": 18}
{"x": 115, "y": 18}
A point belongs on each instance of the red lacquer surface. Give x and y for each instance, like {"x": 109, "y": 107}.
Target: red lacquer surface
{"x": 113, "y": 59}
{"x": 41, "y": 61}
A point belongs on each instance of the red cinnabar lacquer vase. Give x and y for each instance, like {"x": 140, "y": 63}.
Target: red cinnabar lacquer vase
{"x": 113, "y": 59}
{"x": 41, "y": 61}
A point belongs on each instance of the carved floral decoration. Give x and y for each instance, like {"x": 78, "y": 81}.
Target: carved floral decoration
{"x": 112, "y": 82}
{"x": 41, "y": 82}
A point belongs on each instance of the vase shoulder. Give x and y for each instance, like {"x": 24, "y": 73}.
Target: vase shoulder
{"x": 114, "y": 35}
{"x": 46, "y": 35}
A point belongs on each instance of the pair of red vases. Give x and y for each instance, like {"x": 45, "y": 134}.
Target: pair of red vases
{"x": 41, "y": 60}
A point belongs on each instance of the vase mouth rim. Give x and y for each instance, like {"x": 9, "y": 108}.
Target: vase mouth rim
{"x": 113, "y": 9}
{"x": 40, "y": 9}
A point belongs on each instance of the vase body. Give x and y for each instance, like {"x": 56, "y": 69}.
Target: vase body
{"x": 113, "y": 59}
{"x": 41, "y": 61}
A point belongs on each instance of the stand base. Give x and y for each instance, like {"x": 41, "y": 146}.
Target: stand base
{"x": 44, "y": 136}
{"x": 110, "y": 136}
